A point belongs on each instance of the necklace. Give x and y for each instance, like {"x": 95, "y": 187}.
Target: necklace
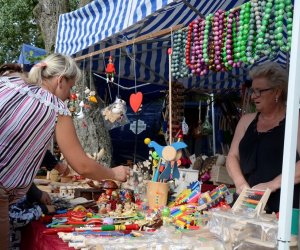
{"x": 218, "y": 29}
{"x": 179, "y": 66}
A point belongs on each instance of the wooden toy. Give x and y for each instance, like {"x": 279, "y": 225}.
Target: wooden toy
{"x": 252, "y": 200}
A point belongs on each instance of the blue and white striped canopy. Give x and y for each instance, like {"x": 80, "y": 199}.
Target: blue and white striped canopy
{"x": 104, "y": 23}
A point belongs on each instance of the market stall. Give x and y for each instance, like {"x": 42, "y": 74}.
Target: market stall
{"x": 139, "y": 47}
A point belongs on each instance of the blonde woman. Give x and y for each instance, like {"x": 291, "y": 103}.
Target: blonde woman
{"x": 29, "y": 115}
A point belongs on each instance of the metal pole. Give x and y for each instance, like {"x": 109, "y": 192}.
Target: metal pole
{"x": 290, "y": 139}
{"x": 136, "y": 136}
{"x": 213, "y": 122}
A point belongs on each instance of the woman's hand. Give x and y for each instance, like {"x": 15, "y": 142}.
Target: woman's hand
{"x": 45, "y": 198}
{"x": 239, "y": 188}
{"x": 121, "y": 173}
{"x": 62, "y": 169}
{"x": 51, "y": 209}
{"x": 263, "y": 186}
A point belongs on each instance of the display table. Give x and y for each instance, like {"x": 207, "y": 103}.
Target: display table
{"x": 34, "y": 239}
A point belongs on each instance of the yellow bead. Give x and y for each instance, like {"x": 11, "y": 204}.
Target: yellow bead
{"x": 147, "y": 141}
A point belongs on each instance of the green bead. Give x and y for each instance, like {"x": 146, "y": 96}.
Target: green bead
{"x": 259, "y": 46}
{"x": 289, "y": 14}
{"x": 289, "y": 26}
{"x": 265, "y": 22}
{"x": 278, "y": 24}
{"x": 281, "y": 11}
{"x": 280, "y": 42}
{"x": 260, "y": 40}
{"x": 279, "y": 36}
{"x": 289, "y": 20}
{"x": 268, "y": 10}
{"x": 269, "y": 5}
{"x": 279, "y": 29}
{"x": 263, "y": 28}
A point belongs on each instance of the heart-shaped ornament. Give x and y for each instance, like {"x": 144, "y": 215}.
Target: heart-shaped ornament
{"x": 135, "y": 101}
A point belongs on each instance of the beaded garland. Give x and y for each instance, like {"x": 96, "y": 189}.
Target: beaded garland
{"x": 179, "y": 66}
{"x": 218, "y": 28}
{"x": 243, "y": 35}
{"x": 197, "y": 64}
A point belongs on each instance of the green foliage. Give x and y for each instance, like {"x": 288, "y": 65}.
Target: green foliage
{"x": 74, "y": 4}
{"x": 17, "y": 26}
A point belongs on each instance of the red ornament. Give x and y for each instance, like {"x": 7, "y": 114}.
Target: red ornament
{"x": 110, "y": 70}
{"x": 135, "y": 101}
{"x": 73, "y": 96}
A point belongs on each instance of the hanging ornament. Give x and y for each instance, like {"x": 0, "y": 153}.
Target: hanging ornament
{"x": 184, "y": 127}
{"x": 188, "y": 45}
{"x": 243, "y": 31}
{"x": 115, "y": 114}
{"x": 229, "y": 53}
{"x": 289, "y": 24}
{"x": 92, "y": 97}
{"x": 218, "y": 29}
{"x": 80, "y": 114}
{"x": 179, "y": 66}
{"x": 110, "y": 70}
{"x": 136, "y": 101}
{"x": 72, "y": 103}
{"x": 207, "y": 30}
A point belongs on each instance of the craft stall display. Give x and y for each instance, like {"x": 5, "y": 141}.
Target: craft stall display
{"x": 142, "y": 212}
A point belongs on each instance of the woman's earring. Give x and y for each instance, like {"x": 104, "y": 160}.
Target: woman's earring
{"x": 276, "y": 99}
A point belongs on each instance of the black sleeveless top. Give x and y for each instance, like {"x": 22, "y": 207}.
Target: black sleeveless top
{"x": 261, "y": 155}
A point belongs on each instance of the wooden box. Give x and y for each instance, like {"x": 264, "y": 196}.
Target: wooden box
{"x": 219, "y": 175}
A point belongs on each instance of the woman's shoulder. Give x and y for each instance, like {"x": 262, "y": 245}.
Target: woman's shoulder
{"x": 246, "y": 119}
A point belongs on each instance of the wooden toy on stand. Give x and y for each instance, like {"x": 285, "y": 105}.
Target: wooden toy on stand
{"x": 246, "y": 224}
{"x": 252, "y": 200}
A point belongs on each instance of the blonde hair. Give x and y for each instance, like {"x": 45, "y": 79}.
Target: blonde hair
{"x": 276, "y": 75}
{"x": 54, "y": 65}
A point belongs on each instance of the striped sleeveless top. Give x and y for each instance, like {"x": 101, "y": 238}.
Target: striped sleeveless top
{"x": 28, "y": 115}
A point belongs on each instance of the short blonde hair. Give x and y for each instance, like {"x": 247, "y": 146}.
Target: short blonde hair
{"x": 54, "y": 65}
{"x": 276, "y": 75}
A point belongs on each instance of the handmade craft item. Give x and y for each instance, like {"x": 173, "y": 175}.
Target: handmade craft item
{"x": 110, "y": 70}
{"x": 115, "y": 114}
{"x": 252, "y": 200}
{"x": 135, "y": 101}
{"x": 157, "y": 194}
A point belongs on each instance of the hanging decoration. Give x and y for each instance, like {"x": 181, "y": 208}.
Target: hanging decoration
{"x": 115, "y": 114}
{"x": 218, "y": 29}
{"x": 225, "y": 40}
{"x": 135, "y": 101}
{"x": 110, "y": 70}
{"x": 184, "y": 127}
{"x": 179, "y": 65}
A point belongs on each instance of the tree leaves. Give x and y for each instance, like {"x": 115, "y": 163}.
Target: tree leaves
{"x": 17, "y": 26}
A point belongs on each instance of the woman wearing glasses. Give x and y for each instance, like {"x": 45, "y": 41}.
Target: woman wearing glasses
{"x": 256, "y": 152}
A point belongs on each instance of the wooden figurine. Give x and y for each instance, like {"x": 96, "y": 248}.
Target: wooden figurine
{"x": 110, "y": 70}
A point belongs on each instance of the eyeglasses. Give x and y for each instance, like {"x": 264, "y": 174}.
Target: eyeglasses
{"x": 257, "y": 92}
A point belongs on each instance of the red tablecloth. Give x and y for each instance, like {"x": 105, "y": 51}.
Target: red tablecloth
{"x": 34, "y": 239}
